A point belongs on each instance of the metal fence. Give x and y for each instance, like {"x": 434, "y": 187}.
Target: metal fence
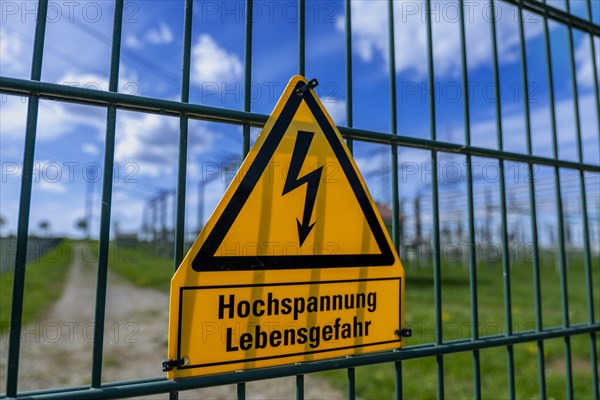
{"x": 35, "y": 89}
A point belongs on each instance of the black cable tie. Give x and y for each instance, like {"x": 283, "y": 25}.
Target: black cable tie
{"x": 404, "y": 332}
{"x": 169, "y": 364}
{"x": 310, "y": 85}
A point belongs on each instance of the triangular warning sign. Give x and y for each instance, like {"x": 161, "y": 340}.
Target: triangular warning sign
{"x": 299, "y": 151}
{"x": 296, "y": 219}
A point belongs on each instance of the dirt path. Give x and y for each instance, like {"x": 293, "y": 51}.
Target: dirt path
{"x": 57, "y": 350}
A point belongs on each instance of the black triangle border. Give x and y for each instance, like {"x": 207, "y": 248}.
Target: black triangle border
{"x": 205, "y": 260}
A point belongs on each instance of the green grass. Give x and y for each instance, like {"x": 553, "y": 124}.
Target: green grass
{"x": 419, "y": 376}
{"x": 141, "y": 267}
{"x": 44, "y": 281}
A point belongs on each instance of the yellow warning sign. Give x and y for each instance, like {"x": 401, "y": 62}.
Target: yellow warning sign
{"x": 295, "y": 264}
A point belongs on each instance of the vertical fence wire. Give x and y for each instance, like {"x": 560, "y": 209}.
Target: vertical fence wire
{"x": 559, "y": 211}
{"x": 350, "y": 372}
{"x": 241, "y": 391}
{"x": 589, "y": 287}
{"x": 584, "y": 213}
{"x": 301, "y": 37}
{"x": 393, "y": 126}
{"x": 533, "y": 210}
{"x": 593, "y": 348}
{"x": 503, "y": 209}
{"x": 437, "y": 279}
{"x": 183, "y": 135}
{"x": 351, "y": 383}
{"x": 241, "y": 387}
{"x": 109, "y": 157}
{"x": 299, "y": 378}
{"x": 593, "y": 344}
{"x": 398, "y": 380}
{"x": 394, "y": 165}
{"x": 470, "y": 207}
{"x": 299, "y": 387}
{"x": 348, "y": 40}
{"x": 183, "y": 144}
{"x": 247, "y": 74}
{"x": 594, "y": 66}
{"x": 16, "y": 316}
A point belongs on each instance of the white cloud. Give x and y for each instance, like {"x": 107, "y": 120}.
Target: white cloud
{"x": 212, "y": 63}
{"x": 11, "y": 60}
{"x": 365, "y": 165}
{"x": 85, "y": 80}
{"x": 485, "y": 131}
{"x": 370, "y": 34}
{"x": 97, "y": 82}
{"x": 53, "y": 187}
{"x": 336, "y": 109}
{"x": 90, "y": 148}
{"x": 132, "y": 42}
{"x": 54, "y": 119}
{"x": 513, "y": 125}
{"x": 152, "y": 142}
{"x": 583, "y": 57}
{"x": 123, "y": 204}
{"x": 67, "y": 47}
{"x": 147, "y": 140}
{"x": 160, "y": 35}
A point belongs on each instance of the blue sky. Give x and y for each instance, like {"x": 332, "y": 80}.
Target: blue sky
{"x": 71, "y": 137}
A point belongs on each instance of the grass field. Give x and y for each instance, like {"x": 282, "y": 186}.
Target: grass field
{"x": 141, "y": 266}
{"x": 44, "y": 280}
{"x": 419, "y": 376}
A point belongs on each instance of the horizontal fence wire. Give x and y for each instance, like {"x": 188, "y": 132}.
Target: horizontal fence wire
{"x": 116, "y": 390}
{"x": 35, "y": 90}
{"x": 53, "y": 91}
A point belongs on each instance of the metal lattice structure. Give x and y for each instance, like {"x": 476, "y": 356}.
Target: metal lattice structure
{"x": 35, "y": 89}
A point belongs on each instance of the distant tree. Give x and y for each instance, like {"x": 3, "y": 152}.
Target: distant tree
{"x": 82, "y": 225}
{"x": 2, "y": 222}
{"x": 44, "y": 227}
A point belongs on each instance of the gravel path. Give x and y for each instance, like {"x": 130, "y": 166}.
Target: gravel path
{"x": 56, "y": 351}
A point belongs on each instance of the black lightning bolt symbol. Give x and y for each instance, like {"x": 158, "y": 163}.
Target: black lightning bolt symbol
{"x": 293, "y": 181}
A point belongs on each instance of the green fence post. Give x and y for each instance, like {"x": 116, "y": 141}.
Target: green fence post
{"x": 183, "y": 144}
{"x": 394, "y": 164}
{"x": 348, "y": 41}
{"x": 16, "y": 315}
{"x": 532, "y": 205}
{"x": 470, "y": 207}
{"x": 437, "y": 278}
{"x": 503, "y": 210}
{"x": 301, "y": 37}
{"x": 107, "y": 181}
{"x": 582, "y": 191}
